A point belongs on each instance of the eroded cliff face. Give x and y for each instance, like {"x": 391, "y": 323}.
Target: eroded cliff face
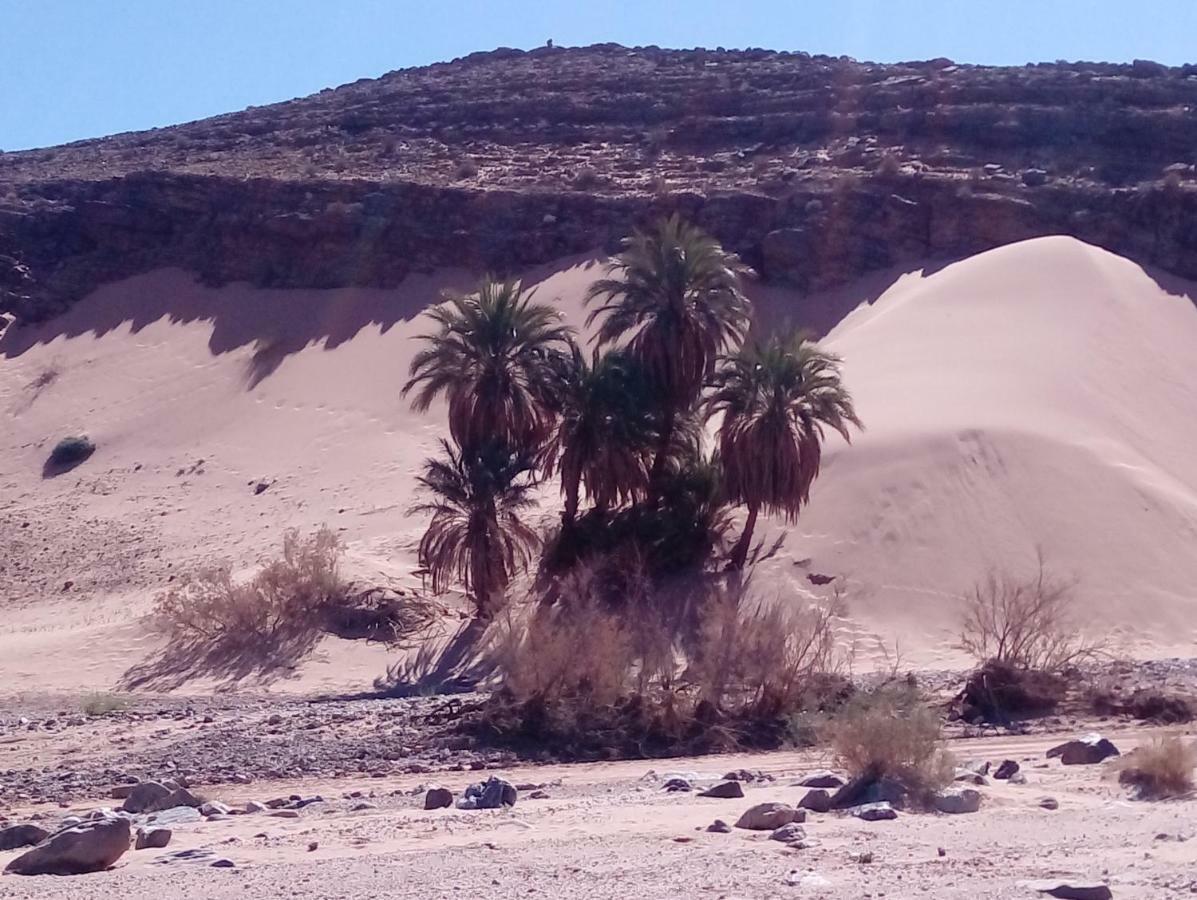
{"x": 816, "y": 170}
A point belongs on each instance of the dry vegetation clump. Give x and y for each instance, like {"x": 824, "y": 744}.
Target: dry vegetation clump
{"x": 891, "y": 744}
{"x": 1024, "y": 636}
{"x": 1160, "y": 770}
{"x": 102, "y": 703}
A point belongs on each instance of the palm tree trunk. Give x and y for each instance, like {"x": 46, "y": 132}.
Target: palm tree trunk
{"x": 481, "y": 585}
{"x": 739, "y": 554}
{"x": 572, "y": 487}
{"x": 664, "y": 443}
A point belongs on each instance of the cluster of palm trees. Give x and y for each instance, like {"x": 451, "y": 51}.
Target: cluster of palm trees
{"x": 622, "y": 426}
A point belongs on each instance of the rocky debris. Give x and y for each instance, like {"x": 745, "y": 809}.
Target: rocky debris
{"x": 1073, "y": 890}
{"x": 725, "y": 790}
{"x": 152, "y": 838}
{"x": 438, "y": 798}
{"x": 957, "y": 800}
{"x": 747, "y": 775}
{"x": 769, "y": 817}
{"x": 816, "y": 800}
{"x": 1007, "y": 770}
{"x": 88, "y": 847}
{"x": 822, "y": 779}
{"x": 788, "y": 834}
{"x": 719, "y": 827}
{"x": 874, "y": 812}
{"x": 677, "y": 785}
{"x": 1086, "y": 751}
{"x": 16, "y": 836}
{"x": 1048, "y": 803}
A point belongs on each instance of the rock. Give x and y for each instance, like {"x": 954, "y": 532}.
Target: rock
{"x": 769, "y": 817}
{"x": 538, "y": 795}
{"x": 865, "y": 790}
{"x": 788, "y": 834}
{"x": 153, "y": 796}
{"x": 152, "y": 838}
{"x": 1018, "y": 778}
{"x": 676, "y": 785}
{"x": 120, "y": 791}
{"x": 874, "y": 812}
{"x": 1034, "y": 177}
{"x": 438, "y": 798}
{"x": 823, "y": 779}
{"x": 748, "y": 775}
{"x": 980, "y": 766}
{"x": 223, "y": 863}
{"x": 214, "y": 808}
{"x": 958, "y": 800}
{"x": 1048, "y": 803}
{"x": 253, "y": 806}
{"x": 88, "y": 847}
{"x": 816, "y": 800}
{"x": 494, "y": 793}
{"x": 719, "y": 827}
{"x": 968, "y": 776}
{"x": 362, "y": 806}
{"x": 16, "y": 836}
{"x": 1073, "y": 890}
{"x": 725, "y": 790}
{"x": 178, "y": 815}
{"x": 1007, "y": 770}
{"x": 1086, "y": 751}
{"x": 284, "y": 814}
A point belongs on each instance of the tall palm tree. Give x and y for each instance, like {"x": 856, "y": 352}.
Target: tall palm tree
{"x": 476, "y": 535}
{"x": 776, "y": 397}
{"x": 605, "y": 431}
{"x": 488, "y": 358}
{"x": 673, "y": 297}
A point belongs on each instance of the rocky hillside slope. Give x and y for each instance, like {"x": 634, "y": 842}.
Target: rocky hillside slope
{"x": 816, "y": 169}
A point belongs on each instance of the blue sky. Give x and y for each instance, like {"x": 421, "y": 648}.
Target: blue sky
{"x": 71, "y": 69}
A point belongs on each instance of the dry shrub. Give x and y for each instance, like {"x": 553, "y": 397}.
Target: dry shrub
{"x": 1159, "y": 770}
{"x": 284, "y": 600}
{"x": 888, "y": 166}
{"x": 1025, "y": 623}
{"x": 102, "y": 703}
{"x": 890, "y": 734}
{"x": 999, "y": 692}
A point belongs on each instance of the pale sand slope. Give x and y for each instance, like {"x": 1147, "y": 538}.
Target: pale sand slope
{"x": 1038, "y": 395}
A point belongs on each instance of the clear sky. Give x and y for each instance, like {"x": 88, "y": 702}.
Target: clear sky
{"x": 71, "y": 69}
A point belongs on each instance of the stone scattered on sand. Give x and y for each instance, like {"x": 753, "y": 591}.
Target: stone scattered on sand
{"x": 748, "y": 775}
{"x": 725, "y": 790}
{"x": 769, "y": 817}
{"x": 17, "y": 836}
{"x": 1073, "y": 890}
{"x": 154, "y": 796}
{"x": 789, "y": 833}
{"x": 284, "y": 813}
{"x": 223, "y": 863}
{"x": 968, "y": 776}
{"x": 214, "y": 808}
{"x": 1018, "y": 778}
{"x": 816, "y": 800}
{"x": 538, "y": 795}
{"x": 87, "y": 847}
{"x": 719, "y": 827}
{"x": 178, "y": 815}
{"x": 823, "y": 779}
{"x": 120, "y": 791}
{"x": 1086, "y": 751}
{"x": 958, "y": 800}
{"x": 1007, "y": 770}
{"x": 677, "y": 785}
{"x": 874, "y": 812}
{"x": 980, "y": 766}
{"x": 253, "y": 806}
{"x": 866, "y": 790}
{"x": 152, "y": 838}
{"x": 1048, "y": 803}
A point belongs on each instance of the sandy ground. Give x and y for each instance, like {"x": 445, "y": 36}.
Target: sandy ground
{"x": 608, "y": 830}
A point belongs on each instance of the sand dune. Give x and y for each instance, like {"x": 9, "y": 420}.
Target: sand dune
{"x": 1040, "y": 395}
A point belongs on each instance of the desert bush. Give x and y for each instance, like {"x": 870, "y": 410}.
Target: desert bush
{"x": 286, "y": 598}
{"x": 1026, "y": 623}
{"x": 1000, "y": 692}
{"x": 1159, "y": 770}
{"x": 102, "y": 704}
{"x": 891, "y": 734}
{"x": 1150, "y": 704}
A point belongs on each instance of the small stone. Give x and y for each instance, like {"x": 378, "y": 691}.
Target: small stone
{"x": 1073, "y": 890}
{"x": 1034, "y": 177}
{"x": 253, "y": 806}
{"x": 1049, "y": 803}
{"x": 538, "y": 795}
{"x": 956, "y": 801}
{"x": 725, "y": 790}
{"x": 1007, "y": 770}
{"x": 816, "y": 800}
{"x": 677, "y": 785}
{"x": 1018, "y": 778}
{"x": 152, "y": 838}
{"x": 438, "y": 798}
{"x": 313, "y": 845}
{"x": 769, "y": 817}
{"x": 968, "y": 776}
{"x": 214, "y": 808}
{"x": 284, "y": 814}
{"x": 824, "y": 779}
{"x": 874, "y": 812}
{"x": 360, "y": 807}
{"x": 497, "y": 793}
{"x": 223, "y": 863}
{"x": 788, "y": 834}
{"x": 719, "y": 827}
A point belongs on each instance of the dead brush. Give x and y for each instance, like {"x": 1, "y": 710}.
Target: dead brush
{"x": 1160, "y": 770}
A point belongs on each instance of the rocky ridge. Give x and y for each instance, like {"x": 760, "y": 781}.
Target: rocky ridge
{"x": 815, "y": 169}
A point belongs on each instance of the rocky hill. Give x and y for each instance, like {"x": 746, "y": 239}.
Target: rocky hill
{"x": 815, "y": 169}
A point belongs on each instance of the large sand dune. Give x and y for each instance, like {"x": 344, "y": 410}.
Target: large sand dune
{"x": 1040, "y": 395}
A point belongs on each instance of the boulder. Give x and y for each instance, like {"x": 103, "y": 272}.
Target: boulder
{"x": 16, "y": 836}
{"x": 253, "y": 806}
{"x": 497, "y": 793}
{"x": 866, "y": 790}
{"x": 769, "y": 817}
{"x": 788, "y": 834}
{"x": 154, "y": 796}
{"x": 214, "y": 808}
{"x": 1073, "y": 890}
{"x": 677, "y": 785}
{"x": 874, "y": 812}
{"x": 725, "y": 790}
{"x": 1086, "y": 751}
{"x": 438, "y": 798}
{"x": 87, "y": 847}
{"x": 816, "y": 800}
{"x": 152, "y": 838}
{"x": 1007, "y": 770}
{"x": 956, "y": 800}
{"x": 822, "y": 779}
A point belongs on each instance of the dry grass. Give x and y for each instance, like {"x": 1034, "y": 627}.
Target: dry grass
{"x": 1025, "y": 623}
{"x": 285, "y": 598}
{"x": 1159, "y": 770}
{"x": 891, "y": 734}
{"x": 102, "y": 704}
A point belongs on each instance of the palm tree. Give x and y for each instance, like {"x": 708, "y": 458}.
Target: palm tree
{"x": 476, "y": 535}
{"x": 606, "y": 428}
{"x": 488, "y": 358}
{"x": 673, "y": 296}
{"x": 776, "y": 397}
